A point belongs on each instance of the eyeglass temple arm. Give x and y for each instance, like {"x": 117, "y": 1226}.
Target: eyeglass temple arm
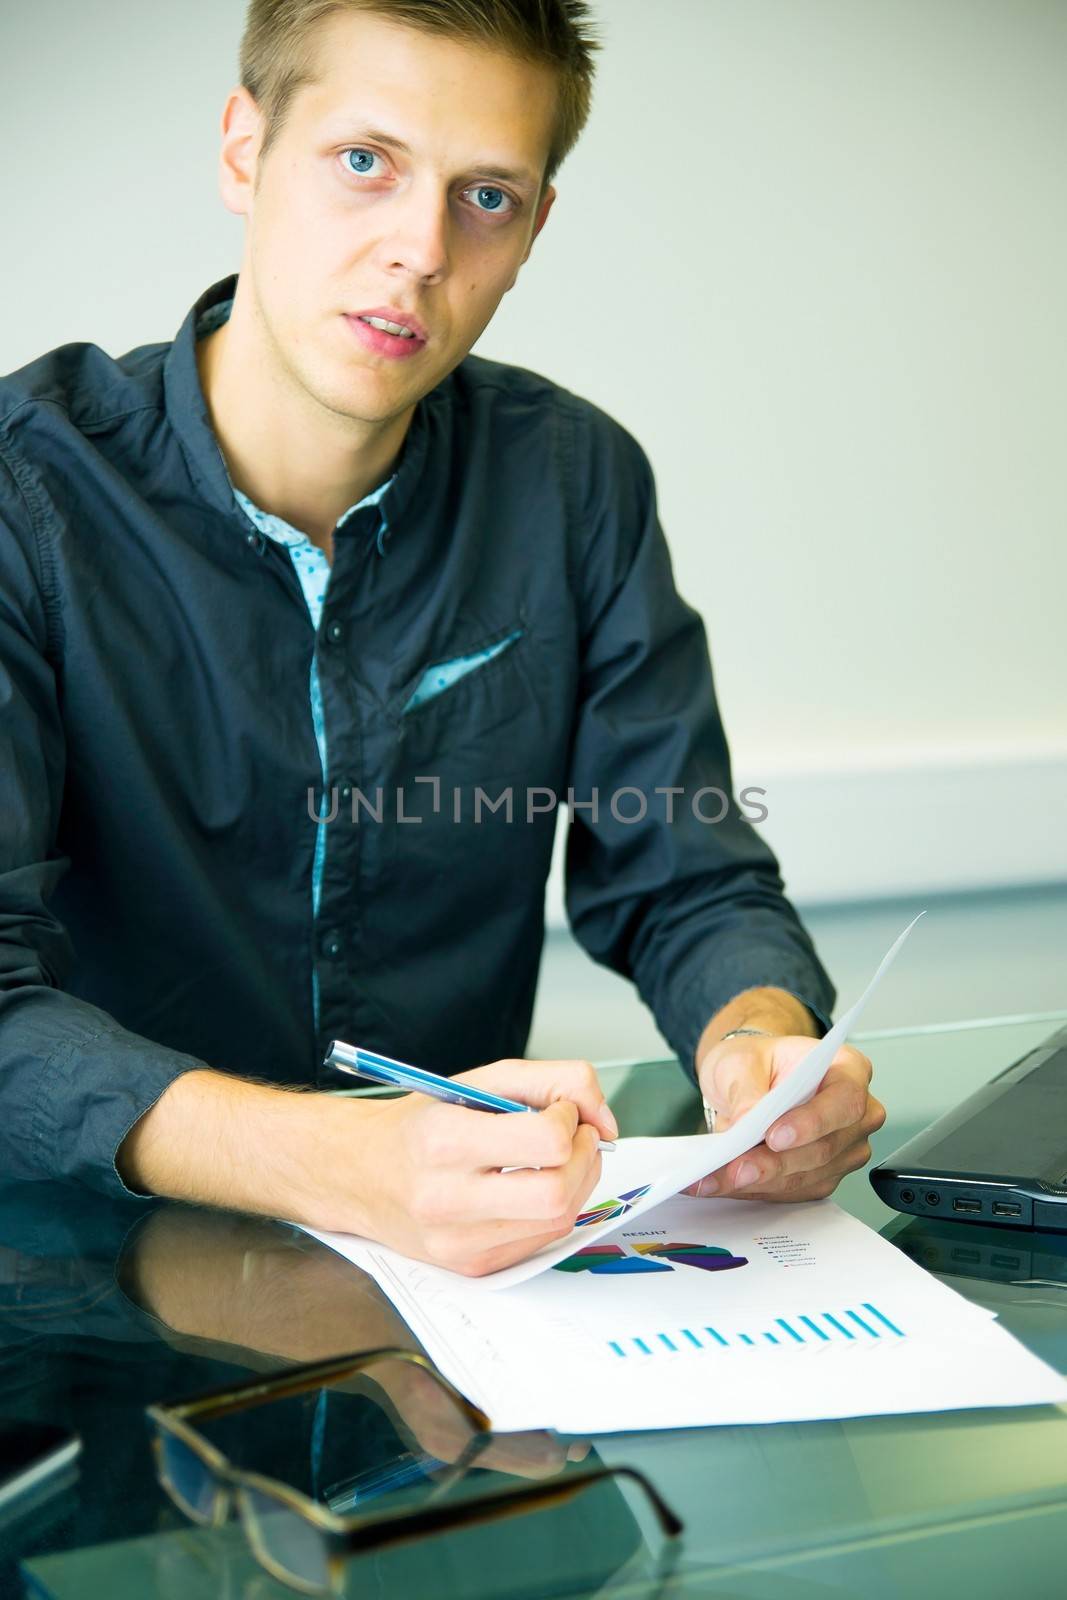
{"x": 402, "y": 1525}
{"x": 312, "y": 1375}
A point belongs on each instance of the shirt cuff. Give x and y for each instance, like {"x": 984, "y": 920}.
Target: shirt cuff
{"x": 91, "y": 1092}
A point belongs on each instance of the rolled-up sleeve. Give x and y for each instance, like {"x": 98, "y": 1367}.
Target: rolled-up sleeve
{"x": 692, "y": 909}
{"x": 73, "y": 1081}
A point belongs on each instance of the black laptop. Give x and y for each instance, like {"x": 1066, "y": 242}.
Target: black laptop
{"x": 999, "y": 1158}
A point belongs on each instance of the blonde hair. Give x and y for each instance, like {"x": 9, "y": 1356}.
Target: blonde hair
{"x": 277, "y": 55}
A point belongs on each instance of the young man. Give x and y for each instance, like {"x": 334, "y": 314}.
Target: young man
{"x": 314, "y": 554}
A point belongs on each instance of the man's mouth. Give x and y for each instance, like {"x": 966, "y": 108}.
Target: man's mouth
{"x": 396, "y": 321}
{"x": 388, "y": 327}
{"x": 388, "y": 332}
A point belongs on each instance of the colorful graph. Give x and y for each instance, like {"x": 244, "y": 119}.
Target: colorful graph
{"x": 609, "y": 1260}
{"x": 609, "y": 1210}
{"x": 709, "y": 1257}
{"x": 867, "y": 1327}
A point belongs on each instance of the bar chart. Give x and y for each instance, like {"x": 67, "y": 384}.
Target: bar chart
{"x": 860, "y": 1326}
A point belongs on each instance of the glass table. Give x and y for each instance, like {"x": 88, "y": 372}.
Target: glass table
{"x": 106, "y": 1307}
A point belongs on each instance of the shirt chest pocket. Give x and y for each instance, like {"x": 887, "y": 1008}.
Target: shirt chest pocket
{"x": 481, "y": 712}
{"x": 443, "y": 675}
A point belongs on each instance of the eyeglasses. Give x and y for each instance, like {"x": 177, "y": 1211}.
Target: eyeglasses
{"x": 303, "y": 1543}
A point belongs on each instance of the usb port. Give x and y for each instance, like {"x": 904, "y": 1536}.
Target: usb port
{"x": 1006, "y": 1263}
{"x": 974, "y": 1256}
{"x": 1001, "y": 1208}
{"x": 966, "y": 1205}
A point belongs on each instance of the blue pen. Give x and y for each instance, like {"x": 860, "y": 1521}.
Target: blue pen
{"x": 382, "y": 1069}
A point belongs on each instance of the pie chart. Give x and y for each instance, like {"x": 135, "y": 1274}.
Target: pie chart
{"x": 610, "y": 1261}
{"x": 708, "y": 1257}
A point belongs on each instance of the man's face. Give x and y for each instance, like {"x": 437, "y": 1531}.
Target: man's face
{"x": 342, "y": 222}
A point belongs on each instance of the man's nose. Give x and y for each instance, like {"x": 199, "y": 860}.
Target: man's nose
{"x": 420, "y": 239}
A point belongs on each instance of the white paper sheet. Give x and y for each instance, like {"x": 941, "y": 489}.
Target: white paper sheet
{"x": 643, "y": 1172}
{"x": 730, "y": 1312}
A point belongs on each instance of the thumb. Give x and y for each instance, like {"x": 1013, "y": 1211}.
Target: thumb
{"x": 566, "y": 1113}
{"x": 735, "y": 1074}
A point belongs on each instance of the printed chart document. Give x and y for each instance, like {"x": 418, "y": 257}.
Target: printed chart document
{"x": 660, "y": 1310}
{"x": 641, "y": 1173}
{"x": 715, "y": 1311}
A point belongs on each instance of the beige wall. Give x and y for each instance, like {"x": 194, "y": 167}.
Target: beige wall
{"x": 812, "y": 253}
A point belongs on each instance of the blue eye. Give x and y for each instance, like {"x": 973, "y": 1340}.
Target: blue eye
{"x": 369, "y": 154}
{"x": 492, "y": 204}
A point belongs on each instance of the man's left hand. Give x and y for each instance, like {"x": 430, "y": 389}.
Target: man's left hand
{"x": 808, "y": 1150}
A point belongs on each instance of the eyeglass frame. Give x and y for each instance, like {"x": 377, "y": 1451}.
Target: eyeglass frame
{"x": 350, "y": 1534}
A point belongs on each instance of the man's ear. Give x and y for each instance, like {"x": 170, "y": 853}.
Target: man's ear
{"x": 241, "y": 129}
{"x": 542, "y": 218}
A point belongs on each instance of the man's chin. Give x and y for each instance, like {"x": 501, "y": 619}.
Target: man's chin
{"x": 358, "y": 397}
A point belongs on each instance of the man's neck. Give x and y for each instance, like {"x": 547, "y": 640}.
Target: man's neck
{"x": 285, "y": 452}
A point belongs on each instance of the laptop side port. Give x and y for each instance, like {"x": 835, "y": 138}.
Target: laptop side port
{"x": 1004, "y": 1208}
{"x": 966, "y": 1205}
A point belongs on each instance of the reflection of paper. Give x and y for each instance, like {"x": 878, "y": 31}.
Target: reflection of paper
{"x": 662, "y": 1166}
{"x": 715, "y": 1311}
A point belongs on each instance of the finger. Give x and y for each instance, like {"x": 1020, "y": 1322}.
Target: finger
{"x": 841, "y": 1102}
{"x": 758, "y": 1169}
{"x": 525, "y": 1455}
{"x": 433, "y": 1419}
{"x": 553, "y": 1195}
{"x": 799, "y": 1181}
{"x": 486, "y": 1207}
{"x": 452, "y": 1137}
{"x": 761, "y": 1166}
{"x": 542, "y": 1083}
{"x": 816, "y": 1184}
{"x": 766, "y": 1166}
{"x": 758, "y": 1165}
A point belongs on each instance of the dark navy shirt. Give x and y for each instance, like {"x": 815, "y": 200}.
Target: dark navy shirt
{"x": 499, "y": 627}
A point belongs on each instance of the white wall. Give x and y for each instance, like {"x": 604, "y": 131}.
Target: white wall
{"x": 812, "y": 253}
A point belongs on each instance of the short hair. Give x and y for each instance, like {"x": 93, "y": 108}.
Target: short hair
{"x": 276, "y": 57}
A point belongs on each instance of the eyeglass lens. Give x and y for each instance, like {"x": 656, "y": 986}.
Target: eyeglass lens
{"x": 190, "y": 1479}
{"x": 292, "y": 1544}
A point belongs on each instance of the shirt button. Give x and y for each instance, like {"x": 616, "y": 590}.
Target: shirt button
{"x": 335, "y": 631}
{"x": 332, "y": 945}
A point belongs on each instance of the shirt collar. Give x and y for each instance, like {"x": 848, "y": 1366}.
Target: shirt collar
{"x": 189, "y": 417}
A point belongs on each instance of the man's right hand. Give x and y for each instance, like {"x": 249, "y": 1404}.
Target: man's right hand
{"x": 417, "y": 1174}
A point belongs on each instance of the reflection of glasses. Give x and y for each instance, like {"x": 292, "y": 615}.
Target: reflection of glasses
{"x": 303, "y": 1543}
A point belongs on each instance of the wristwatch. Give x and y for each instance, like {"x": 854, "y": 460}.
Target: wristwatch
{"x": 734, "y": 1033}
